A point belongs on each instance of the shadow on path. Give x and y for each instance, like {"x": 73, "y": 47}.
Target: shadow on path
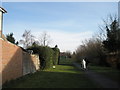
{"x": 100, "y": 79}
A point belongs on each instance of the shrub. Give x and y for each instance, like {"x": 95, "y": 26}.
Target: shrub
{"x": 48, "y": 56}
{"x": 56, "y": 55}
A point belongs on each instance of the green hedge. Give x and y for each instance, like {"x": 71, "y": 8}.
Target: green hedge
{"x": 48, "y": 56}
{"x": 55, "y": 55}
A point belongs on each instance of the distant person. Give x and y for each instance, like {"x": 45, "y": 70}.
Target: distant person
{"x": 83, "y": 64}
{"x": 87, "y": 61}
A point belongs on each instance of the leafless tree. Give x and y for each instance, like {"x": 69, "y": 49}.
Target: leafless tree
{"x": 28, "y": 39}
{"x": 90, "y": 49}
{"x": 44, "y": 39}
{"x": 102, "y": 34}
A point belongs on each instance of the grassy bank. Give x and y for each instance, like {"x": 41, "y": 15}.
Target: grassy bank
{"x": 64, "y": 76}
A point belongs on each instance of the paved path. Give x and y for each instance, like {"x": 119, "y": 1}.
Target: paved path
{"x": 100, "y": 79}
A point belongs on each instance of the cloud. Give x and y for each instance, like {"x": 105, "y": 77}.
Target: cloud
{"x": 66, "y": 40}
{"x": 66, "y": 37}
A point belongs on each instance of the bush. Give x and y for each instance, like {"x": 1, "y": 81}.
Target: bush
{"x": 56, "y": 56}
{"x": 48, "y": 56}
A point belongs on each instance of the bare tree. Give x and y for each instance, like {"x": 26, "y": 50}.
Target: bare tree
{"x": 44, "y": 39}
{"x": 110, "y": 33}
{"x": 28, "y": 39}
{"x": 90, "y": 49}
{"x": 102, "y": 34}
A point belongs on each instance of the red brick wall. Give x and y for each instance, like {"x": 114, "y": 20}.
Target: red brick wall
{"x": 11, "y": 61}
{"x": 15, "y": 62}
{"x": 0, "y": 63}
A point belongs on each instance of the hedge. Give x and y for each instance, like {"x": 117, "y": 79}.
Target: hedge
{"x": 48, "y": 56}
{"x": 56, "y": 54}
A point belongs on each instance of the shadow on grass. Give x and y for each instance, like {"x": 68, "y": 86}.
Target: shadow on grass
{"x": 45, "y": 79}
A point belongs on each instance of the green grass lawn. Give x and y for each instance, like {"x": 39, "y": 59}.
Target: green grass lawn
{"x": 63, "y": 76}
{"x": 107, "y": 71}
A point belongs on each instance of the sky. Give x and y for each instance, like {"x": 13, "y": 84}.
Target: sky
{"x": 67, "y": 23}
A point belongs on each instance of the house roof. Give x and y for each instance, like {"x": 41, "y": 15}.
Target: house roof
{"x": 3, "y": 10}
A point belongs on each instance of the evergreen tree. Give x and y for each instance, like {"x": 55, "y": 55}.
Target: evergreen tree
{"x": 112, "y": 41}
{"x": 11, "y": 39}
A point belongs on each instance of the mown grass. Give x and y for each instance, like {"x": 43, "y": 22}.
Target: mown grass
{"x": 109, "y": 72}
{"x": 63, "y": 76}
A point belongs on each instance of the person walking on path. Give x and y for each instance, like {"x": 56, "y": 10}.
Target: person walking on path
{"x": 83, "y": 64}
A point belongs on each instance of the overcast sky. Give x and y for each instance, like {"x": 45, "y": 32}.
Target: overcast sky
{"x": 67, "y": 23}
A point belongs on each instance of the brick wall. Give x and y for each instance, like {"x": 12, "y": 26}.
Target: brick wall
{"x": 11, "y": 61}
{"x": 15, "y": 62}
{"x": 0, "y": 64}
{"x": 30, "y": 63}
{"x": 36, "y": 61}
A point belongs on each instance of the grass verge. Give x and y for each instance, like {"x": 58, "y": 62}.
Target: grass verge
{"x": 62, "y": 76}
